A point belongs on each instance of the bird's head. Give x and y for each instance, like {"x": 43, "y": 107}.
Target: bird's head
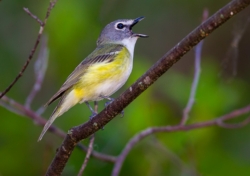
{"x": 120, "y": 31}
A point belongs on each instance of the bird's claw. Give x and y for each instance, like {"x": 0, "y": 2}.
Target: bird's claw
{"x": 122, "y": 113}
{"x": 92, "y": 115}
{"x": 109, "y": 102}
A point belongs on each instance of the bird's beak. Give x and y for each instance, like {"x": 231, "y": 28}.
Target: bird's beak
{"x": 134, "y": 23}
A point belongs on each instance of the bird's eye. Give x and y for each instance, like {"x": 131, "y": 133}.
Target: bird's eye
{"x": 120, "y": 26}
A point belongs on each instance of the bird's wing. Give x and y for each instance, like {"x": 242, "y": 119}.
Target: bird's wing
{"x": 102, "y": 53}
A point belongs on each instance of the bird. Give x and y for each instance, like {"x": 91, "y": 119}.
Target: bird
{"x": 101, "y": 73}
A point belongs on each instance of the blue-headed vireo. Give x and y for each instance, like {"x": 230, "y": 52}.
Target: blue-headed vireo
{"x": 102, "y": 73}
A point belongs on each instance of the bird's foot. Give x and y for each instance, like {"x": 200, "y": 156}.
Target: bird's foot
{"x": 92, "y": 115}
{"x": 122, "y": 113}
{"x": 109, "y": 102}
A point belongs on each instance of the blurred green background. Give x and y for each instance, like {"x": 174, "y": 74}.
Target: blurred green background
{"x": 72, "y": 31}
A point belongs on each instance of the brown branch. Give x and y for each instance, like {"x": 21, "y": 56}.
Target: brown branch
{"x": 24, "y": 111}
{"x": 42, "y": 24}
{"x": 232, "y": 126}
{"x": 141, "y": 135}
{"x": 197, "y": 72}
{"x": 90, "y": 149}
{"x": 33, "y": 16}
{"x": 21, "y": 110}
{"x": 78, "y": 133}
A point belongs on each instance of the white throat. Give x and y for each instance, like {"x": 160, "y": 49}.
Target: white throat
{"x": 129, "y": 43}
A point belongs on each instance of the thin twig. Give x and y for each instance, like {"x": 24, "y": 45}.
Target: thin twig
{"x": 51, "y": 5}
{"x": 197, "y": 71}
{"x": 90, "y": 149}
{"x": 21, "y": 110}
{"x": 40, "y": 68}
{"x": 141, "y": 135}
{"x": 11, "y": 105}
{"x": 232, "y": 53}
{"x": 40, "y": 110}
{"x": 233, "y": 126}
{"x": 33, "y": 16}
{"x": 83, "y": 131}
{"x": 24, "y": 111}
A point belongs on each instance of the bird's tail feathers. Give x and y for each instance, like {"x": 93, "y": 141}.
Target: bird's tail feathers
{"x": 63, "y": 106}
{"x": 46, "y": 126}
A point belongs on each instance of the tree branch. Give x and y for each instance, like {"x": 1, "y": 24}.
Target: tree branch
{"x": 33, "y": 16}
{"x": 83, "y": 131}
{"x": 90, "y": 149}
{"x": 197, "y": 72}
{"x": 40, "y": 68}
{"x": 21, "y": 110}
{"x": 141, "y": 135}
{"x": 42, "y": 24}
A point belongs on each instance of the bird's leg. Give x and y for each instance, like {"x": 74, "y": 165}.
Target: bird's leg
{"x": 109, "y": 102}
{"x": 96, "y": 109}
{"x": 96, "y": 106}
{"x": 93, "y": 112}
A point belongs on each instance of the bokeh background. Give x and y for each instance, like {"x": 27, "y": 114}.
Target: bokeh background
{"x": 72, "y": 30}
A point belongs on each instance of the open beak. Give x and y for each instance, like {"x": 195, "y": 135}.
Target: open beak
{"x": 134, "y": 23}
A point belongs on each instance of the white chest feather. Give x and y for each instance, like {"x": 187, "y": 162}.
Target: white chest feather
{"x": 130, "y": 45}
{"x": 110, "y": 86}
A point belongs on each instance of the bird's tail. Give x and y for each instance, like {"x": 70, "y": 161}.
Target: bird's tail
{"x": 65, "y": 103}
{"x": 46, "y": 126}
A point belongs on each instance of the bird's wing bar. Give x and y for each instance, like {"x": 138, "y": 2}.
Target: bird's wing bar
{"x": 103, "y": 53}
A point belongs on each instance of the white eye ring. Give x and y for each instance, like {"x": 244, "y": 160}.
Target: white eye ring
{"x": 120, "y": 26}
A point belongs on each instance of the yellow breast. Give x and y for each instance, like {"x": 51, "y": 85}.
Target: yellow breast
{"x": 104, "y": 78}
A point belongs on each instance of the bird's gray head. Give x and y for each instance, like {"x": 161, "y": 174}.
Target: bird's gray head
{"x": 118, "y": 30}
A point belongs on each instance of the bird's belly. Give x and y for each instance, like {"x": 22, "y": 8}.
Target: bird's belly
{"x": 104, "y": 80}
{"x": 110, "y": 86}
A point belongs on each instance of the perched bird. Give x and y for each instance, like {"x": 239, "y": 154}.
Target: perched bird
{"x": 101, "y": 73}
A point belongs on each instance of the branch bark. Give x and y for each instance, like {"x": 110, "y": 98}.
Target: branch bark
{"x": 78, "y": 133}
{"x": 22, "y": 110}
{"x": 90, "y": 149}
{"x": 197, "y": 72}
{"x": 220, "y": 121}
{"x": 42, "y": 24}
